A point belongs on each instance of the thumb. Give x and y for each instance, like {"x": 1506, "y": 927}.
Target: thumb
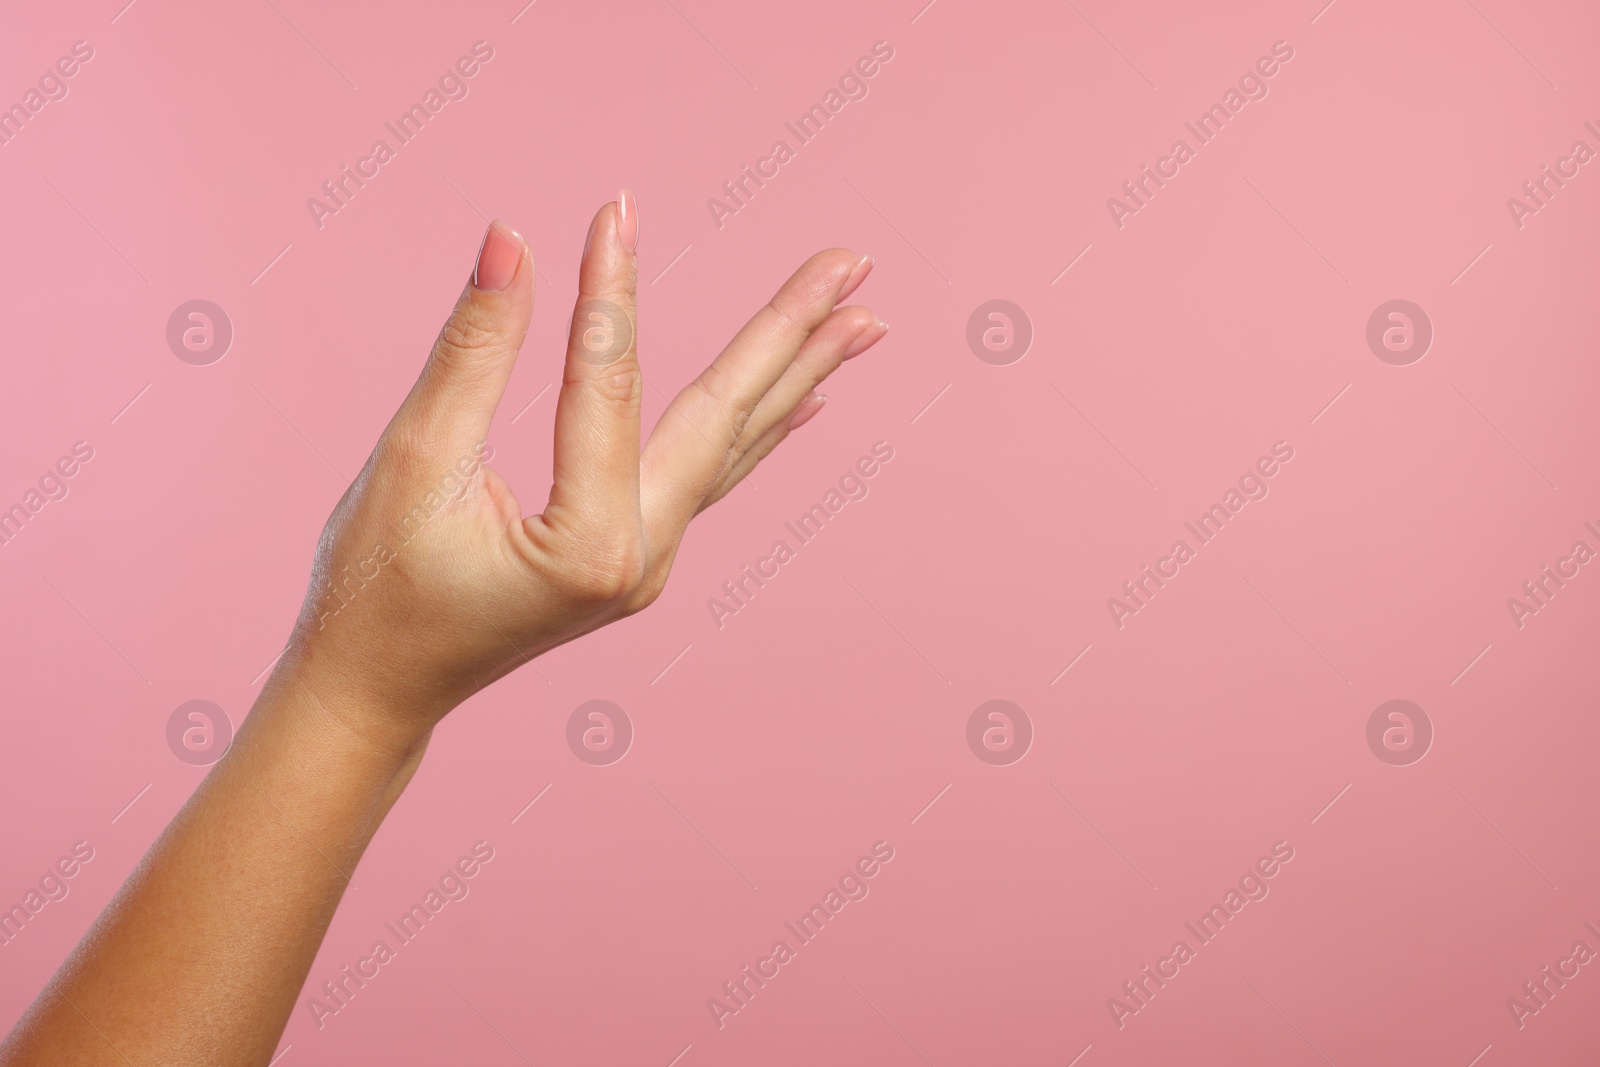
{"x": 454, "y": 400}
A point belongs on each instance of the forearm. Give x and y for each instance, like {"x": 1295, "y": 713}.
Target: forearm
{"x": 201, "y": 954}
{"x": 430, "y": 581}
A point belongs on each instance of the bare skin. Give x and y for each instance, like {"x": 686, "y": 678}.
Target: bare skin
{"x": 429, "y": 583}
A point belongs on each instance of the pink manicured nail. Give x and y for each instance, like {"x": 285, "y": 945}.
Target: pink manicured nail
{"x": 807, "y": 410}
{"x": 628, "y": 220}
{"x": 498, "y": 258}
{"x": 857, "y": 276}
{"x": 868, "y": 337}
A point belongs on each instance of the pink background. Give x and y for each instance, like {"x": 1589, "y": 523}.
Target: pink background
{"x": 770, "y": 754}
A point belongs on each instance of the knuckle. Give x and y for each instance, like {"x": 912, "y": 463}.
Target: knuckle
{"x": 741, "y": 419}
{"x": 620, "y": 383}
{"x": 810, "y": 293}
{"x": 712, "y": 388}
{"x": 465, "y": 339}
{"x": 792, "y": 307}
{"x": 612, "y": 573}
{"x": 405, "y": 451}
{"x": 724, "y": 406}
{"x": 648, "y": 590}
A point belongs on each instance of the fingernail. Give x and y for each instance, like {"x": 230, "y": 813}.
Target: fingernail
{"x": 866, "y": 339}
{"x": 498, "y": 258}
{"x": 628, "y": 220}
{"x": 857, "y": 276}
{"x": 807, "y": 410}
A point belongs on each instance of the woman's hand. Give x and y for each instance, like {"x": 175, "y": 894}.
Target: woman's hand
{"x": 430, "y": 581}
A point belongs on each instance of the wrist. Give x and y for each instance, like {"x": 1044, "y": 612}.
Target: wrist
{"x": 318, "y": 710}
